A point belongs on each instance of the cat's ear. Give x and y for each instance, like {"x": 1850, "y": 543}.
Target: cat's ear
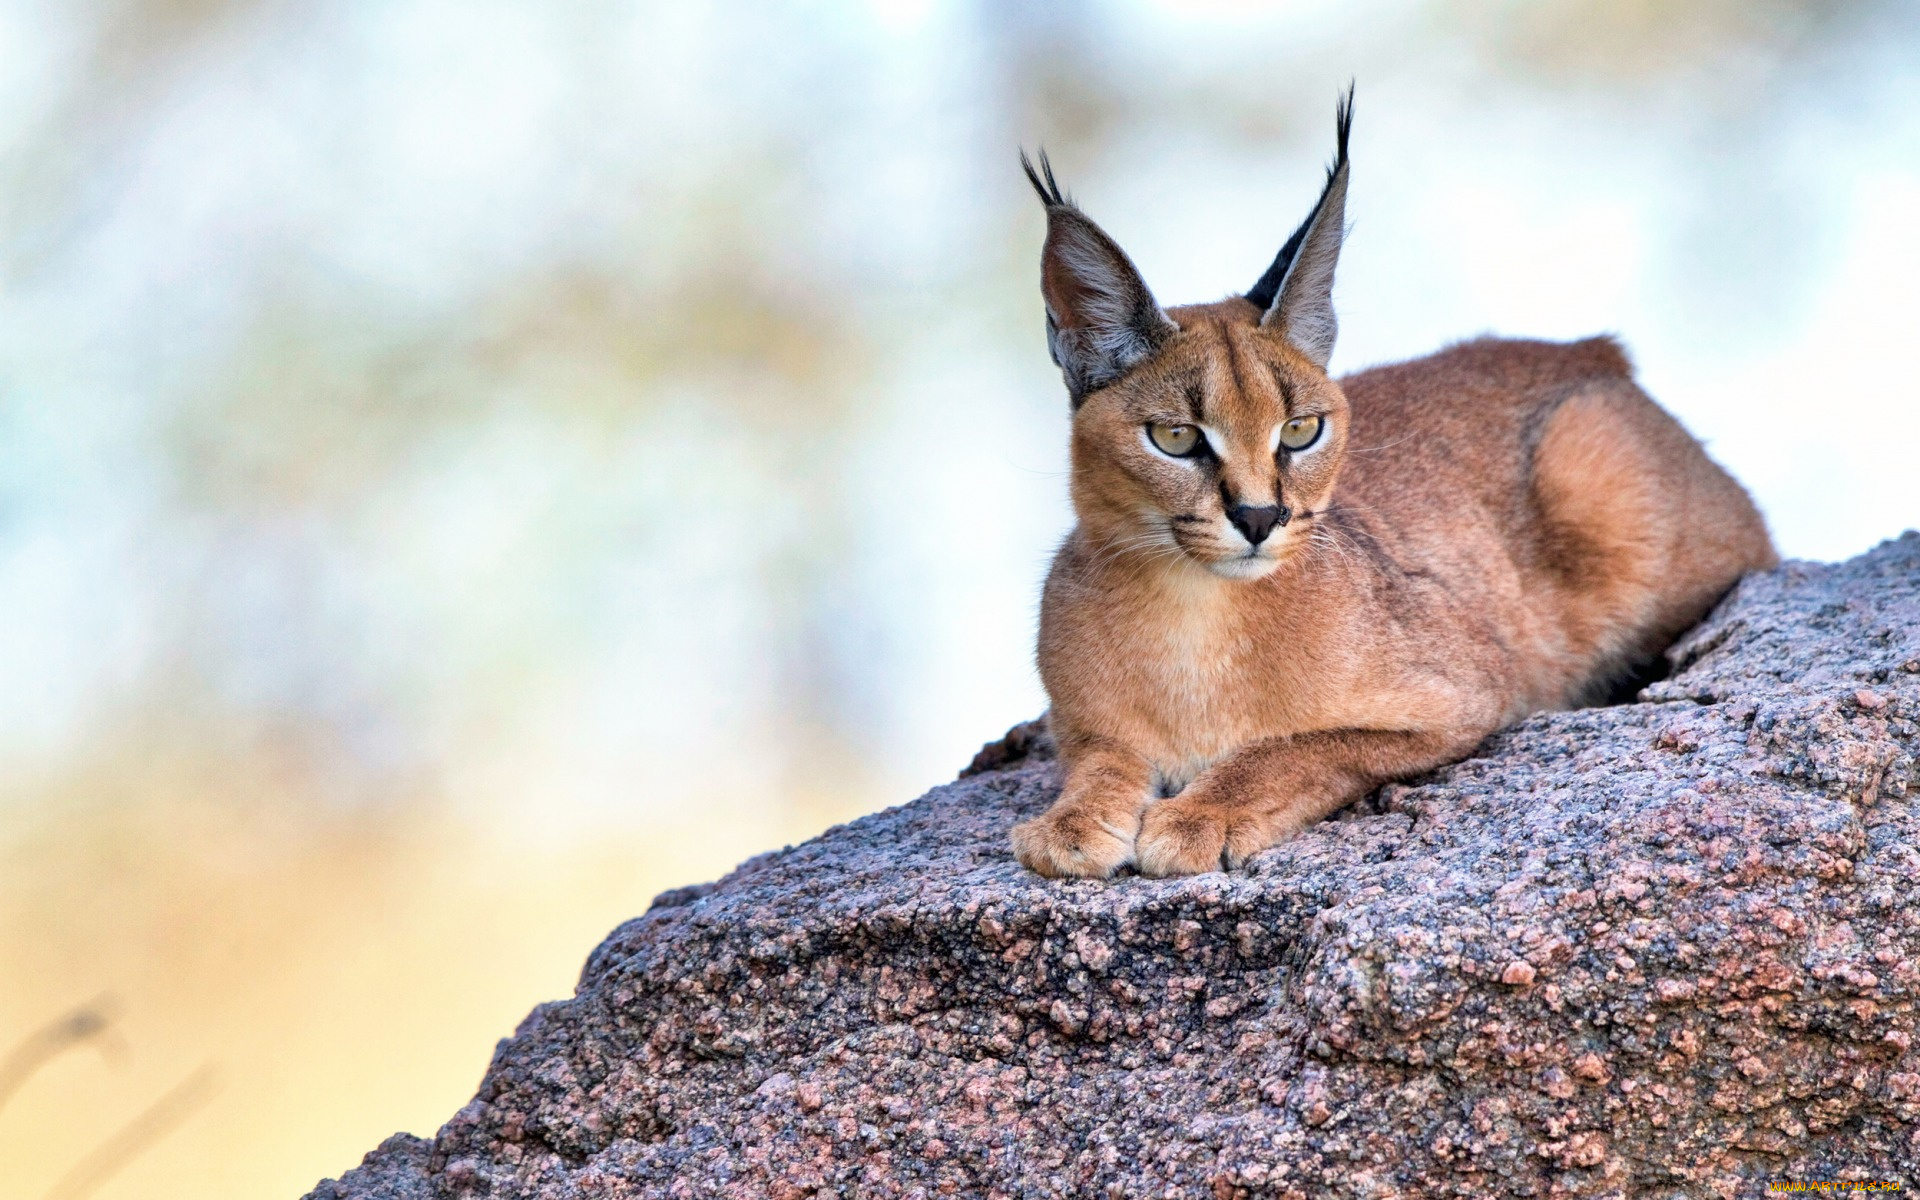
{"x": 1101, "y": 319}
{"x": 1297, "y": 290}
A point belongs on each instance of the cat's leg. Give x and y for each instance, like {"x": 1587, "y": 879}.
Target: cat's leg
{"x": 1265, "y": 792}
{"x": 1090, "y": 829}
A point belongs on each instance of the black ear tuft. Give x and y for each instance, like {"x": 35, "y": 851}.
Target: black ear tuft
{"x": 1263, "y": 292}
{"x": 1101, "y": 317}
{"x": 1050, "y": 193}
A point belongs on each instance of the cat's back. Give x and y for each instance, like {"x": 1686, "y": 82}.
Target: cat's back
{"x": 1554, "y": 497}
{"x": 1461, "y": 421}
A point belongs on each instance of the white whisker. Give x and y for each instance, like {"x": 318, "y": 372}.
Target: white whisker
{"x": 1384, "y": 446}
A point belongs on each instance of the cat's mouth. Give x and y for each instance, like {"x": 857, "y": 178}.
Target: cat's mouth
{"x": 1251, "y": 565}
{"x": 1249, "y": 562}
{"x": 1227, "y": 554}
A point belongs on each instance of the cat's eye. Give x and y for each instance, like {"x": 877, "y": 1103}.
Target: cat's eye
{"x": 1181, "y": 441}
{"x": 1300, "y": 432}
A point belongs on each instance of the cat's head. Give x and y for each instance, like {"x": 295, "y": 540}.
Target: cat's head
{"x": 1208, "y": 434}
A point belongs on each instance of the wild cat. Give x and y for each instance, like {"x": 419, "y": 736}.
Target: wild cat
{"x": 1284, "y": 590}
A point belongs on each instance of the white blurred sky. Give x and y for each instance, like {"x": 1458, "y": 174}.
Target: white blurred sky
{"x": 567, "y": 621}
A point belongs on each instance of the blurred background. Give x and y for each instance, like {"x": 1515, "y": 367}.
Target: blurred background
{"x": 466, "y": 467}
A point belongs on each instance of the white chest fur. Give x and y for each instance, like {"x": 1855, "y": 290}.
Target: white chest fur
{"x": 1196, "y": 681}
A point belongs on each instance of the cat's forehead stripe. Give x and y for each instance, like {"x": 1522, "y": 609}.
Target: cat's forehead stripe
{"x": 1241, "y": 393}
{"x": 1233, "y": 364}
{"x": 1280, "y": 385}
{"x": 1196, "y": 394}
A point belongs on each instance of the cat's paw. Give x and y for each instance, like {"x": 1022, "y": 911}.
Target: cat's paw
{"x": 1183, "y": 836}
{"x": 1066, "y": 842}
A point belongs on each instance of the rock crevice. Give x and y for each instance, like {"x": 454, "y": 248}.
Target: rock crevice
{"x": 1660, "y": 948}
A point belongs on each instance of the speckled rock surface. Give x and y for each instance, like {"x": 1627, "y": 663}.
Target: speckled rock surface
{"x": 1665, "y": 948}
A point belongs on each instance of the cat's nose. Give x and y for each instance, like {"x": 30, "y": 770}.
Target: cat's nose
{"x": 1256, "y": 521}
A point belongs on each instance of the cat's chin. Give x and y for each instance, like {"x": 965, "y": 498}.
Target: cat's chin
{"x": 1252, "y": 566}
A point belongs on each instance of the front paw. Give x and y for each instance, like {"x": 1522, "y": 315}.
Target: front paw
{"x": 1067, "y": 842}
{"x": 1183, "y": 836}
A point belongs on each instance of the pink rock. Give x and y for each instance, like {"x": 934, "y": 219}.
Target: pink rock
{"x": 1352, "y": 1014}
{"x": 1518, "y": 974}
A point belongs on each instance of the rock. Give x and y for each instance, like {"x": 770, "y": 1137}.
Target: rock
{"x": 1663, "y": 948}
{"x": 395, "y": 1171}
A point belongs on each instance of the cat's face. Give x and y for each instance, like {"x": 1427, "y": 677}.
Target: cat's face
{"x": 1210, "y": 434}
{"x": 1219, "y": 449}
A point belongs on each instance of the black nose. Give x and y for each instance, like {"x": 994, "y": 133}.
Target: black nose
{"x": 1256, "y": 521}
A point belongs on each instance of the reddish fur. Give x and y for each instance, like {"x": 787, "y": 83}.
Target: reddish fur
{"x": 1503, "y": 527}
